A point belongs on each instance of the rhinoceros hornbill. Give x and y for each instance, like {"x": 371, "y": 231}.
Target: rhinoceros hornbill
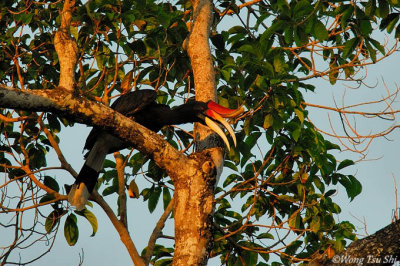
{"x": 141, "y": 106}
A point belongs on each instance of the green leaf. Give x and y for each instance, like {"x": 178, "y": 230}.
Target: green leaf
{"x": 288, "y": 34}
{"x": 315, "y": 224}
{"x": 91, "y": 219}
{"x": 349, "y": 47}
{"x": 365, "y": 27}
{"x": 348, "y": 12}
{"x": 268, "y": 121}
{"x": 391, "y": 19}
{"x": 133, "y": 190}
{"x": 265, "y": 235}
{"x": 54, "y": 124}
{"x": 53, "y": 219}
{"x": 231, "y": 178}
{"x": 377, "y": 45}
{"x": 47, "y": 197}
{"x": 51, "y": 183}
{"x": 352, "y": 185}
{"x": 250, "y": 258}
{"x": 276, "y": 25}
{"x": 370, "y": 8}
{"x": 320, "y": 31}
{"x": 356, "y": 187}
{"x": 294, "y": 220}
{"x": 25, "y": 18}
{"x": 300, "y": 37}
{"x": 302, "y": 8}
{"x": 279, "y": 64}
{"x": 71, "y": 231}
{"x": 296, "y": 134}
{"x": 344, "y": 164}
{"x": 74, "y": 32}
{"x": 153, "y": 199}
{"x": 166, "y": 197}
{"x": 299, "y": 114}
{"x": 218, "y": 41}
{"x": 100, "y": 61}
{"x": 110, "y": 190}
{"x": 392, "y": 24}
{"x": 248, "y": 48}
{"x": 383, "y": 9}
{"x": 329, "y": 193}
{"x": 109, "y": 164}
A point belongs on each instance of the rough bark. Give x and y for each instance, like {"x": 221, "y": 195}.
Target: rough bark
{"x": 194, "y": 198}
{"x": 66, "y": 48}
{"x": 194, "y": 192}
{"x": 381, "y": 248}
{"x": 198, "y": 48}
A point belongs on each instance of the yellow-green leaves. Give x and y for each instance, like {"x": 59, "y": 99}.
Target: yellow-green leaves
{"x": 71, "y": 231}
{"x": 91, "y": 218}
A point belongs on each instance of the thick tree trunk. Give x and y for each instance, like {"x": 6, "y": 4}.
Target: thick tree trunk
{"x": 194, "y": 194}
{"x": 194, "y": 198}
{"x": 381, "y": 248}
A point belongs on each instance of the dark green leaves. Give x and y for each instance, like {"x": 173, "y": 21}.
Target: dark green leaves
{"x": 51, "y": 183}
{"x": 350, "y": 46}
{"x": 53, "y": 219}
{"x": 352, "y": 185}
{"x": 344, "y": 164}
{"x": 153, "y": 198}
{"x": 320, "y": 31}
{"x": 71, "y": 231}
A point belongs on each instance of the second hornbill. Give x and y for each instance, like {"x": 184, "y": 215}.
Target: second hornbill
{"x": 142, "y": 107}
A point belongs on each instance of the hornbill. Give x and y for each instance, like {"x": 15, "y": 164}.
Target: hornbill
{"x": 141, "y": 106}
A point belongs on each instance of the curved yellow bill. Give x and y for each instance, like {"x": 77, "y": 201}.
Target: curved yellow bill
{"x": 228, "y": 127}
{"x": 214, "y": 126}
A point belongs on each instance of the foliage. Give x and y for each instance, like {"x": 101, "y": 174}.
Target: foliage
{"x": 279, "y": 182}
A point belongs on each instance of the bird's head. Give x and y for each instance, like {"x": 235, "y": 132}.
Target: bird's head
{"x": 213, "y": 114}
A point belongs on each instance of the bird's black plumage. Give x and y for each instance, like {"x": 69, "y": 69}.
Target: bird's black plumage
{"x": 141, "y": 106}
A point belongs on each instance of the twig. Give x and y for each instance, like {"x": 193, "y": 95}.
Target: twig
{"x": 121, "y": 188}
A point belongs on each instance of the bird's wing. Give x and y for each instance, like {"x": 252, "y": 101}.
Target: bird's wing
{"x": 127, "y": 104}
{"x": 132, "y": 102}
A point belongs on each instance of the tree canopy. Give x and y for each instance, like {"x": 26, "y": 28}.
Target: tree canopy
{"x": 275, "y": 198}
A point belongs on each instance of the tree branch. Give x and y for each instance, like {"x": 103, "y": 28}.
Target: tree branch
{"x": 91, "y": 113}
{"x": 121, "y": 188}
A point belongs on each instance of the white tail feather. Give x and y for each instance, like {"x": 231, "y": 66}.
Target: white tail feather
{"x": 78, "y": 196}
